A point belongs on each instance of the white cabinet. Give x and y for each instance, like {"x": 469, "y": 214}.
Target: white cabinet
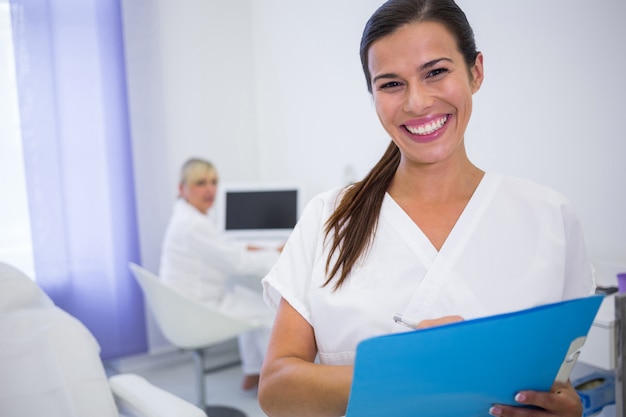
{"x": 600, "y": 348}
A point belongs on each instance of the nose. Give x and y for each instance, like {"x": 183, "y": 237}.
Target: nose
{"x": 418, "y": 99}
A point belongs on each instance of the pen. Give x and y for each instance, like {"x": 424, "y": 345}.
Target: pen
{"x": 406, "y": 321}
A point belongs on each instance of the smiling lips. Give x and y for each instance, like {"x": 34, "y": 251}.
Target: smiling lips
{"x": 425, "y": 129}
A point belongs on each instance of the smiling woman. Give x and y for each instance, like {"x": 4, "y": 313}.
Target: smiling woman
{"x": 453, "y": 242}
{"x": 431, "y": 105}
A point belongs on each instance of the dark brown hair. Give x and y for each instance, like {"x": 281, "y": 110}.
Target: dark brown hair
{"x": 352, "y": 225}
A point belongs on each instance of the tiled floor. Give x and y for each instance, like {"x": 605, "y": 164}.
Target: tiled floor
{"x": 174, "y": 372}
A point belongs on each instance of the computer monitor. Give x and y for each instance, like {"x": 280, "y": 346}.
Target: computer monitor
{"x": 257, "y": 212}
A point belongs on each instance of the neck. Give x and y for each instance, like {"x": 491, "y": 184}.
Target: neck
{"x": 436, "y": 183}
{"x": 196, "y": 207}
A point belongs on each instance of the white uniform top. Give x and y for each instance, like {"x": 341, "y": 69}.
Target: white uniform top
{"x": 200, "y": 261}
{"x": 516, "y": 245}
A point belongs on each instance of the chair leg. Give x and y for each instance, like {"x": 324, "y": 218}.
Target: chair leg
{"x": 223, "y": 411}
{"x": 214, "y": 410}
{"x": 198, "y": 362}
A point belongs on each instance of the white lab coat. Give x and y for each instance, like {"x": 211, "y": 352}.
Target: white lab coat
{"x": 516, "y": 245}
{"x": 200, "y": 261}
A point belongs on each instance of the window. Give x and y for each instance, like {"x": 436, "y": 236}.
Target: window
{"x": 15, "y": 239}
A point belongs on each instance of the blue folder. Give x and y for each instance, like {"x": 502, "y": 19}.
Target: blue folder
{"x": 462, "y": 369}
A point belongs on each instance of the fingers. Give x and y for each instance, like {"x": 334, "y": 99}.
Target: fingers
{"x": 562, "y": 401}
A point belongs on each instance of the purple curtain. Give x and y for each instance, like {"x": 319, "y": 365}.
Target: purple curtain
{"x": 78, "y": 159}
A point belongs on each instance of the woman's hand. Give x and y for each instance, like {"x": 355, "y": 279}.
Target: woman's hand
{"x": 562, "y": 401}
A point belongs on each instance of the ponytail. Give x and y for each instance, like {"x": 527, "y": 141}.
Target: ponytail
{"x": 352, "y": 226}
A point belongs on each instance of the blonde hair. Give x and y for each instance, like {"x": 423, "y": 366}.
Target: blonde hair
{"x": 194, "y": 169}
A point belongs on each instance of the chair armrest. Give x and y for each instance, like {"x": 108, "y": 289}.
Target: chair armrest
{"x": 136, "y": 396}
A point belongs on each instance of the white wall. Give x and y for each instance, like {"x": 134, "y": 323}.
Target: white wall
{"x": 191, "y": 93}
{"x": 313, "y": 103}
{"x": 273, "y": 91}
{"x": 552, "y": 105}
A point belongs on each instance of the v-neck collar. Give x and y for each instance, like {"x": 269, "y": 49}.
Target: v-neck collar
{"x": 393, "y": 214}
{"x": 439, "y": 265}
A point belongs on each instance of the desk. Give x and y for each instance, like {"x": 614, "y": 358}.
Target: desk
{"x": 605, "y": 347}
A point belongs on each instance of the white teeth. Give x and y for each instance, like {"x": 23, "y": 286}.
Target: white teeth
{"x": 428, "y": 128}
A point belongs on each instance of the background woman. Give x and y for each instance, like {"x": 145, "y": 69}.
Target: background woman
{"x": 197, "y": 259}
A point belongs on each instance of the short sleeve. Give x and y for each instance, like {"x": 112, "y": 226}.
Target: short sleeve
{"x": 579, "y": 279}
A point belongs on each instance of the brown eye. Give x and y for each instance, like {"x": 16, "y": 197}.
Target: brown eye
{"x": 389, "y": 85}
{"x": 436, "y": 72}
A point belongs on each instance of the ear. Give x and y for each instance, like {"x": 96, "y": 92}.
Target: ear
{"x": 478, "y": 73}
{"x": 181, "y": 190}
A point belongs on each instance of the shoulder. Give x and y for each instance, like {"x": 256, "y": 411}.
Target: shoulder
{"x": 529, "y": 190}
{"x": 329, "y": 197}
{"x": 531, "y": 197}
{"x": 187, "y": 218}
{"x": 185, "y": 210}
{"x": 309, "y": 230}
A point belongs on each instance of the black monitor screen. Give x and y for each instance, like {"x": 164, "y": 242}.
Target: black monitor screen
{"x": 261, "y": 210}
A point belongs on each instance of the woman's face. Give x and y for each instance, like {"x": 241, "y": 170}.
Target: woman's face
{"x": 201, "y": 192}
{"x": 423, "y": 91}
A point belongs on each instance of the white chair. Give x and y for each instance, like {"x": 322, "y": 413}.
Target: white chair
{"x": 190, "y": 325}
{"x": 50, "y": 364}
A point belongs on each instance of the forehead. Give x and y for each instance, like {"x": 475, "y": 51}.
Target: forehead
{"x": 412, "y": 45}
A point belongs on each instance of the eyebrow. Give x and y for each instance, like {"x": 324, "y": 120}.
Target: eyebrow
{"x": 423, "y": 67}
